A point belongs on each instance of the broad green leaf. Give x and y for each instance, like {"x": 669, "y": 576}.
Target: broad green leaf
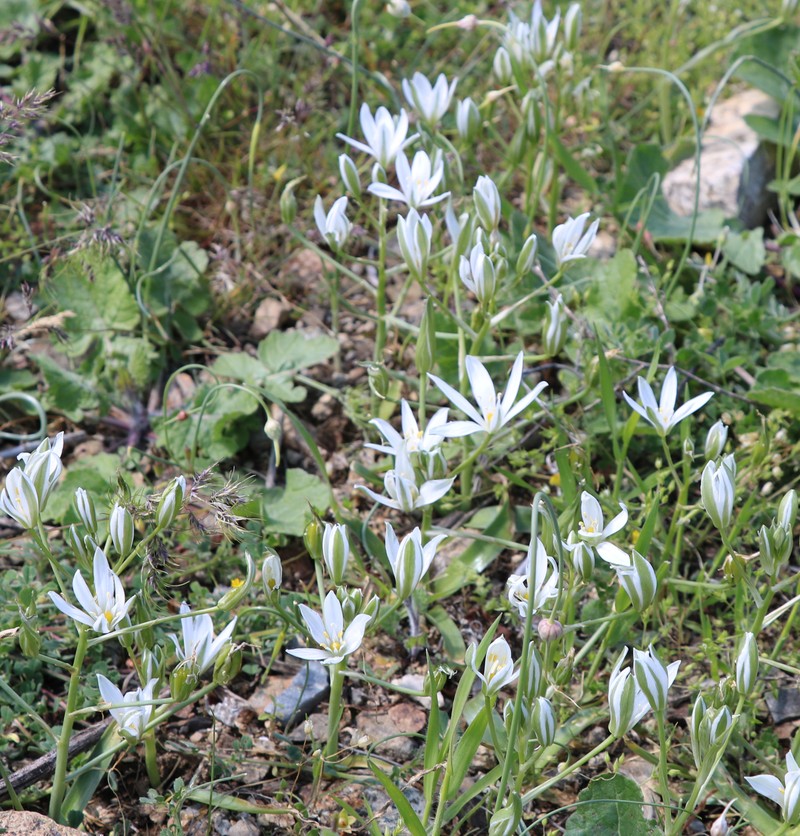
{"x": 776, "y": 387}
{"x": 746, "y": 250}
{"x": 291, "y": 351}
{"x": 611, "y": 804}
{"x": 286, "y": 510}
{"x": 251, "y": 371}
{"x": 614, "y": 294}
{"x": 477, "y": 556}
{"x": 96, "y": 474}
{"x": 67, "y": 392}
{"x": 774, "y": 47}
{"x": 465, "y": 751}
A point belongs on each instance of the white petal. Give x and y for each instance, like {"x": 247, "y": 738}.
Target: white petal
{"x": 458, "y": 429}
{"x": 108, "y": 691}
{"x": 457, "y": 399}
{"x": 768, "y": 786}
{"x": 309, "y": 653}
{"x": 434, "y": 490}
{"x": 354, "y": 634}
{"x": 314, "y": 623}
{"x": 636, "y": 407}
{"x": 523, "y": 403}
{"x": 591, "y": 512}
{"x": 691, "y": 406}
{"x": 83, "y": 594}
{"x": 480, "y": 382}
{"x": 387, "y": 192}
{"x": 669, "y": 392}
{"x": 618, "y": 523}
{"x": 382, "y": 500}
{"x": 69, "y": 610}
{"x": 332, "y": 615}
{"x": 613, "y": 554}
{"x": 512, "y": 387}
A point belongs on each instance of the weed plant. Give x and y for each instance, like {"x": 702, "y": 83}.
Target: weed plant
{"x": 589, "y": 449}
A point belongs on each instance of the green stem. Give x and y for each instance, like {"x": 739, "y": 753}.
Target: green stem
{"x": 662, "y": 769}
{"x": 151, "y": 759}
{"x": 334, "y": 709}
{"x": 380, "y": 332}
{"x": 62, "y": 749}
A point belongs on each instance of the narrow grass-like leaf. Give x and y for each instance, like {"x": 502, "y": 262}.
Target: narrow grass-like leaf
{"x": 410, "y": 819}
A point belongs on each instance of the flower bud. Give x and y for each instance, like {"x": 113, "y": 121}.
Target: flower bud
{"x": 414, "y": 234}
{"x": 733, "y": 568}
{"x": 747, "y": 665}
{"x": 378, "y": 173}
{"x": 787, "y": 511}
{"x": 75, "y": 542}
{"x": 698, "y": 713}
{"x": 501, "y": 67}
{"x": 19, "y": 499}
{"x": 171, "y": 503}
{"x": 715, "y": 441}
{"x": 30, "y": 642}
{"x": 271, "y": 575}
{"x": 273, "y": 430}
{"x": 788, "y": 8}
{"x": 288, "y": 202}
{"x": 563, "y": 670}
{"x": 719, "y": 827}
{"x": 688, "y": 448}
{"x": 312, "y": 538}
{"x": 120, "y": 527}
{"x": 639, "y": 582}
{"x": 239, "y": 588}
{"x": 775, "y": 546}
{"x": 425, "y": 356}
{"x": 549, "y": 630}
{"x": 717, "y": 492}
{"x": 532, "y": 114}
{"x": 378, "y": 379}
{"x": 372, "y": 607}
{"x": 506, "y": 820}
{"x": 536, "y": 685}
{"x": 572, "y": 26}
{"x": 527, "y": 256}
{"x": 487, "y": 202}
{"x": 183, "y": 680}
{"x": 468, "y": 119}
{"x": 349, "y": 173}
{"x": 555, "y": 327}
{"x": 84, "y": 505}
{"x": 228, "y": 664}
{"x": 335, "y": 551}
{"x": 543, "y": 722}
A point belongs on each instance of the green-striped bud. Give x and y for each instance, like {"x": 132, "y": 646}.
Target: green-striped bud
{"x": 639, "y": 582}
{"x": 312, "y": 538}
{"x": 171, "y": 503}
{"x": 506, "y": 820}
{"x": 271, "y": 575}
{"x": 349, "y": 173}
{"x": 120, "y": 527}
{"x": 335, "y": 551}
{"x": 425, "y": 356}
{"x": 84, "y": 505}
{"x": 543, "y": 722}
{"x": 747, "y": 665}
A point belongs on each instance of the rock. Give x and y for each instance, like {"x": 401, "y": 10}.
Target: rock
{"x": 393, "y": 731}
{"x": 13, "y": 823}
{"x": 233, "y": 711}
{"x": 784, "y": 706}
{"x": 245, "y": 826}
{"x": 306, "y": 690}
{"x": 734, "y": 165}
{"x": 384, "y": 809}
{"x": 269, "y": 315}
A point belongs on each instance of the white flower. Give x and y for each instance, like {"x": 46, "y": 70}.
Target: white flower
{"x": 555, "y": 327}
{"x": 715, "y": 440}
{"x": 335, "y": 551}
{"x": 498, "y": 666}
{"x": 653, "y": 677}
{"x": 543, "y": 33}
{"x": 272, "y": 575}
{"x": 19, "y": 499}
{"x": 329, "y": 633}
{"x": 398, "y": 8}
{"x": 496, "y": 410}
{"x": 718, "y": 491}
{"x": 200, "y": 647}
{"x": 430, "y": 101}
{"x": 417, "y": 181}
{"x": 385, "y": 134}
{"x": 663, "y": 415}
{"x": 785, "y": 794}
{"x": 333, "y": 227}
{"x": 104, "y": 610}
{"x": 486, "y": 198}
{"x": 409, "y": 559}
{"x": 413, "y": 439}
{"x": 747, "y": 665}
{"x": 120, "y": 529}
{"x": 639, "y": 582}
{"x": 593, "y": 532}
{"x": 569, "y": 240}
{"x": 132, "y": 717}
{"x": 545, "y": 586}
{"x": 414, "y": 234}
{"x": 478, "y": 274}
{"x": 627, "y": 703}
{"x": 43, "y": 466}
{"x": 405, "y": 495}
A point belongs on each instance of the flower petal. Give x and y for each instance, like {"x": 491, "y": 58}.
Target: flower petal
{"x": 314, "y": 623}
{"x": 456, "y": 398}
{"x": 69, "y": 610}
{"x": 669, "y": 392}
{"x": 525, "y": 402}
{"x": 768, "y": 786}
{"x": 691, "y": 406}
{"x": 512, "y": 387}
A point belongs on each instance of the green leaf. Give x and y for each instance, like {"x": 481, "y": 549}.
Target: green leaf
{"x": 775, "y": 47}
{"x": 451, "y": 633}
{"x": 94, "y": 289}
{"x": 67, "y": 392}
{"x": 746, "y": 250}
{"x": 291, "y": 351}
{"x": 286, "y": 510}
{"x": 477, "y": 556}
{"x": 410, "y": 819}
{"x": 96, "y": 474}
{"x": 610, "y": 805}
{"x": 573, "y": 168}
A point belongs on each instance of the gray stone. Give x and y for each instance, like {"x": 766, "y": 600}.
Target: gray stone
{"x": 308, "y": 688}
{"x": 384, "y": 810}
{"x": 15, "y": 823}
{"x": 735, "y": 166}
{"x": 785, "y": 705}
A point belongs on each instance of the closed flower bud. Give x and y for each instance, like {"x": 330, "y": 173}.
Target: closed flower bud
{"x": 349, "y": 173}
{"x": 351, "y": 601}
{"x": 652, "y": 677}
{"x": 555, "y": 327}
{"x": 378, "y": 379}
{"x": 527, "y": 256}
{"x": 536, "y": 685}
{"x": 335, "y": 551}
{"x": 171, "y": 503}
{"x": 273, "y": 430}
{"x": 425, "y": 356}
{"x": 563, "y": 670}
{"x": 572, "y": 26}
{"x": 487, "y": 202}
{"x": 787, "y": 511}
{"x": 239, "y": 588}
{"x": 271, "y": 575}
{"x": 688, "y": 448}
{"x": 228, "y": 664}
{"x": 715, "y": 441}
{"x": 312, "y": 538}
{"x": 501, "y": 66}
{"x": 468, "y": 119}
{"x": 549, "y": 630}
{"x": 30, "y": 642}
{"x": 747, "y": 665}
{"x": 775, "y": 547}
{"x": 183, "y": 680}
{"x": 543, "y": 722}
{"x": 120, "y": 527}
{"x": 719, "y": 827}
{"x": 532, "y": 113}
{"x": 639, "y": 582}
{"x": 698, "y": 713}
{"x": 414, "y": 234}
{"x": 288, "y": 202}
{"x": 75, "y": 542}
{"x": 19, "y": 499}
{"x": 372, "y": 607}
{"x": 717, "y": 492}
{"x": 506, "y": 820}
{"x": 84, "y": 504}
